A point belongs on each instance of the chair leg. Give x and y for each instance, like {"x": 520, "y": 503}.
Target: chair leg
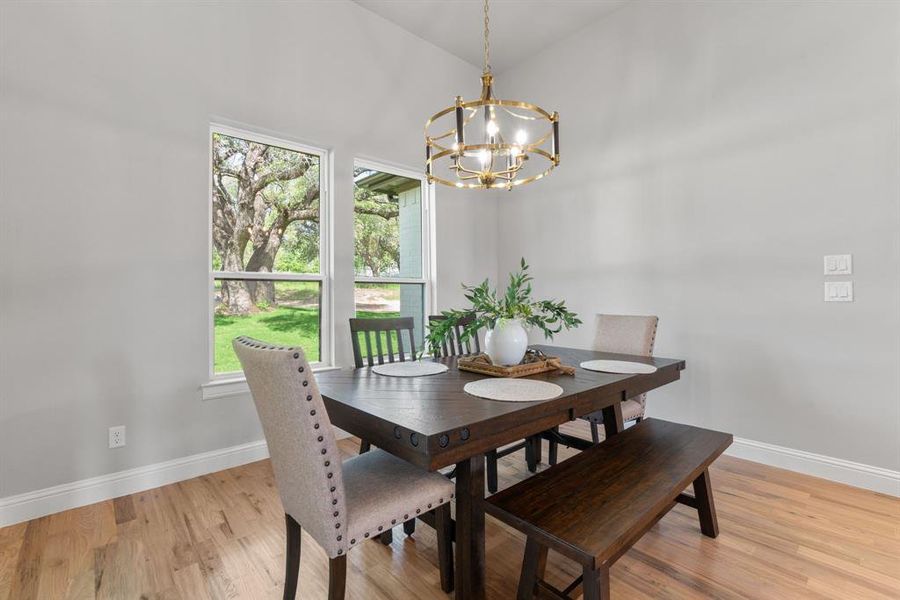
{"x": 595, "y": 433}
{"x": 443, "y": 525}
{"x": 596, "y": 583}
{"x": 337, "y": 577}
{"x": 533, "y": 566}
{"x": 409, "y": 527}
{"x": 706, "y": 508}
{"x": 364, "y": 446}
{"x": 387, "y": 537}
{"x": 291, "y": 556}
{"x": 538, "y": 442}
{"x": 530, "y": 458}
{"x": 554, "y": 450}
{"x": 491, "y": 460}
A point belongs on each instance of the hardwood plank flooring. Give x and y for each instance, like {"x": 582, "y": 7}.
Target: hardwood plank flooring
{"x": 221, "y": 536}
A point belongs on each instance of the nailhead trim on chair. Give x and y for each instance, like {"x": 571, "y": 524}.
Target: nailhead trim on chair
{"x": 330, "y": 475}
{"x": 381, "y": 528}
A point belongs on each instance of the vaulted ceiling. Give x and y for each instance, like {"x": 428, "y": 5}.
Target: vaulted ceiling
{"x": 519, "y": 28}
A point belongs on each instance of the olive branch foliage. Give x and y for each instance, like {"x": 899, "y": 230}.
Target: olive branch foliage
{"x": 489, "y": 308}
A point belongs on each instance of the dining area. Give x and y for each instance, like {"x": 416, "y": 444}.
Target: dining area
{"x": 432, "y": 299}
{"x": 433, "y": 425}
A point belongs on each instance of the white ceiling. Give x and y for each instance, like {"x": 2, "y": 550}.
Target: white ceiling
{"x": 519, "y": 28}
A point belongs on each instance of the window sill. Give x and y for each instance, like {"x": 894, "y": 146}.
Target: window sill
{"x": 237, "y": 386}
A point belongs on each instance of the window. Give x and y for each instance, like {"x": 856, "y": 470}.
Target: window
{"x": 392, "y": 244}
{"x": 268, "y": 246}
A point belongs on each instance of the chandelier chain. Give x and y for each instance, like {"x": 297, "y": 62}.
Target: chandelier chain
{"x": 487, "y": 43}
{"x": 473, "y": 155}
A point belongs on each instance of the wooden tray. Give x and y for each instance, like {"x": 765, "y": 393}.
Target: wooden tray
{"x": 532, "y": 365}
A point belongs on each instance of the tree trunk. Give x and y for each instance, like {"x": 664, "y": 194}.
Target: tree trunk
{"x": 236, "y": 297}
{"x": 266, "y": 244}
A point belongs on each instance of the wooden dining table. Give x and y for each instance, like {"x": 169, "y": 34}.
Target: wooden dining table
{"x": 431, "y": 422}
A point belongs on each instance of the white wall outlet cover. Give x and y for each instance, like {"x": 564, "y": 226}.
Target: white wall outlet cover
{"x": 117, "y": 436}
{"x": 839, "y": 264}
{"x": 838, "y": 291}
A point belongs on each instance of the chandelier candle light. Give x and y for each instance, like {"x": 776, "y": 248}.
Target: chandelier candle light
{"x": 490, "y": 143}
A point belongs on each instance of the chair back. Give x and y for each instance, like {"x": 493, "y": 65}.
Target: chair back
{"x": 626, "y": 334}
{"x": 454, "y": 346}
{"x": 302, "y": 447}
{"x": 379, "y": 329}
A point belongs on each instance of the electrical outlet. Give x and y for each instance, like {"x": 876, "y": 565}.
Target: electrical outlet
{"x": 117, "y": 436}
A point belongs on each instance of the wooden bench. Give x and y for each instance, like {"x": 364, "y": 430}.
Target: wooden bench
{"x": 594, "y": 506}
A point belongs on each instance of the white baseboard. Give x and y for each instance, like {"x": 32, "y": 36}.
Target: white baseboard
{"x": 859, "y": 475}
{"x": 30, "y": 505}
{"x": 15, "y": 509}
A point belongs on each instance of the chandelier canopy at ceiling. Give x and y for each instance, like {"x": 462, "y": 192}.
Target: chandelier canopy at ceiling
{"x": 490, "y": 143}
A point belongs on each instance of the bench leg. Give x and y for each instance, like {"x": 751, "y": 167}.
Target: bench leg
{"x": 596, "y": 584}
{"x": 533, "y": 566}
{"x": 706, "y": 508}
{"x": 364, "y": 446}
{"x": 387, "y": 537}
{"x": 409, "y": 527}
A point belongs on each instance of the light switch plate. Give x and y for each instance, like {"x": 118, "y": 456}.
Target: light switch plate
{"x": 839, "y": 264}
{"x": 838, "y": 291}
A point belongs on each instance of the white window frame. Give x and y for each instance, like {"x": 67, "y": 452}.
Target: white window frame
{"x": 227, "y": 384}
{"x": 427, "y": 280}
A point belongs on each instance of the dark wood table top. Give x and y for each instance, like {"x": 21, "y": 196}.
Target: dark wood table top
{"x": 432, "y": 422}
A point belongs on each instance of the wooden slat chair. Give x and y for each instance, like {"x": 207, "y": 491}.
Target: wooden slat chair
{"x": 393, "y": 329}
{"x": 379, "y": 335}
{"x": 389, "y": 329}
{"x": 455, "y": 346}
{"x": 619, "y": 334}
{"x": 339, "y": 504}
{"x": 594, "y": 506}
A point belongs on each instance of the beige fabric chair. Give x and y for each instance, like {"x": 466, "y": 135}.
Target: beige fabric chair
{"x": 339, "y": 505}
{"x": 624, "y": 334}
{"x": 619, "y": 334}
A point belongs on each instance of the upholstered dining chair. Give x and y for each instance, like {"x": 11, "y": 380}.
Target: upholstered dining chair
{"x": 620, "y": 334}
{"x": 338, "y": 504}
{"x": 455, "y": 346}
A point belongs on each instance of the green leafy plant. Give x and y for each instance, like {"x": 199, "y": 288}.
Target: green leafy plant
{"x": 488, "y": 308}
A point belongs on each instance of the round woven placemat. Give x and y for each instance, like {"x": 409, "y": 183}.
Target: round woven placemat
{"x": 617, "y": 366}
{"x": 410, "y": 369}
{"x": 513, "y": 390}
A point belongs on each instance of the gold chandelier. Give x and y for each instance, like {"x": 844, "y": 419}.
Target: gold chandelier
{"x": 490, "y": 143}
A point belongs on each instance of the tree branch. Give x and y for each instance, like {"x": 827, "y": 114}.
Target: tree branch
{"x": 289, "y": 173}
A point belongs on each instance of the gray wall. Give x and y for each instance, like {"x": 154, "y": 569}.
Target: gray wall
{"x": 104, "y": 208}
{"x": 712, "y": 153}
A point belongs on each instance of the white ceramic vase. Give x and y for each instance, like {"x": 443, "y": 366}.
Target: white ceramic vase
{"x": 507, "y": 342}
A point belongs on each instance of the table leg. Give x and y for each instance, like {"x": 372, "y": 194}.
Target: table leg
{"x": 470, "y": 529}
{"x": 612, "y": 420}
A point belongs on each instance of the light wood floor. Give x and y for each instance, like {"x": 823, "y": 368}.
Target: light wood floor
{"x": 783, "y": 535}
